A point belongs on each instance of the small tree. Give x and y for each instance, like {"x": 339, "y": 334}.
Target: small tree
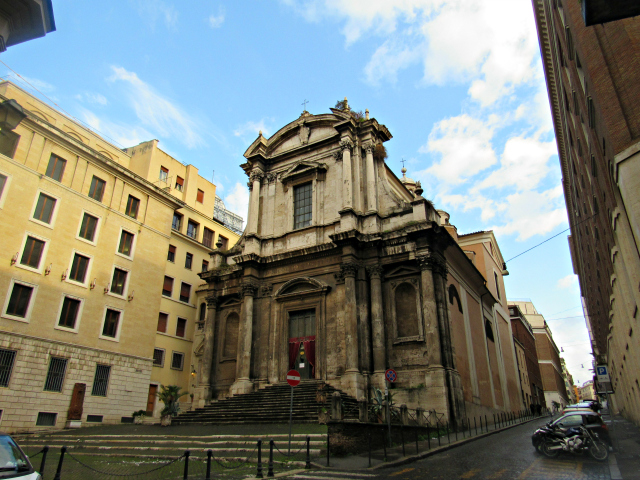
{"x": 380, "y": 152}
{"x": 169, "y": 395}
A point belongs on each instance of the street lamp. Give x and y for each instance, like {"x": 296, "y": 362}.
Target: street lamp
{"x": 11, "y": 114}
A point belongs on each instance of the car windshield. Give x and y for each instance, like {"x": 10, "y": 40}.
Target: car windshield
{"x": 12, "y": 459}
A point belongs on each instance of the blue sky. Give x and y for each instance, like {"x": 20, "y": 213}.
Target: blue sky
{"x": 459, "y": 83}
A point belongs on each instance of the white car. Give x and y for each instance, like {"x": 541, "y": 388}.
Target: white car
{"x": 13, "y": 462}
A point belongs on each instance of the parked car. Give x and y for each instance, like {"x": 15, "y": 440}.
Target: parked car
{"x": 592, "y": 405}
{"x": 588, "y": 418}
{"x": 13, "y": 461}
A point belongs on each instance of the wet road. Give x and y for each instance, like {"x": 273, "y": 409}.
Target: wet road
{"x": 507, "y": 455}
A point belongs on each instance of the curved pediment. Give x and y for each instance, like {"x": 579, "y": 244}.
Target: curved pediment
{"x": 305, "y": 130}
{"x": 302, "y": 285}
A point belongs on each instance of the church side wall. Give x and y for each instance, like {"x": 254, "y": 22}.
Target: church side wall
{"x": 460, "y": 343}
{"x": 480, "y": 352}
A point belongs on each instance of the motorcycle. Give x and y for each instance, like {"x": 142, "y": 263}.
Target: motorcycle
{"x": 574, "y": 440}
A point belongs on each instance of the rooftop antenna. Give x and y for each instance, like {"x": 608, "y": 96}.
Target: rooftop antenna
{"x": 213, "y": 173}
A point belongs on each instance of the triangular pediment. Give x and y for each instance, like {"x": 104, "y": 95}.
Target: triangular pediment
{"x": 402, "y": 271}
{"x": 229, "y": 302}
{"x": 301, "y": 168}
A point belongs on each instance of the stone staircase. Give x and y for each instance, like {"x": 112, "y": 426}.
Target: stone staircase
{"x": 271, "y": 405}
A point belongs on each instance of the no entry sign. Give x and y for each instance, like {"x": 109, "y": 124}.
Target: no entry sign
{"x": 391, "y": 375}
{"x": 293, "y": 377}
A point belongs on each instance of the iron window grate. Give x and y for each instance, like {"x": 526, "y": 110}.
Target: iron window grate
{"x": 177, "y": 361}
{"x": 126, "y": 420}
{"x": 158, "y": 357}
{"x": 101, "y": 380}
{"x": 46, "y": 419}
{"x": 95, "y": 418}
{"x": 7, "y": 359}
{"x": 55, "y": 375}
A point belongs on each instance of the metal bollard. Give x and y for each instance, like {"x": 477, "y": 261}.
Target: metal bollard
{"x": 307, "y": 465}
{"x": 494, "y": 421}
{"x": 259, "y": 472}
{"x": 328, "y": 462}
{"x": 480, "y": 424}
{"x": 270, "y": 470}
{"x": 416, "y": 435}
{"x": 486, "y": 424}
{"x": 428, "y": 437}
{"x": 438, "y": 429}
{"x": 369, "y": 438}
{"x": 463, "y": 432}
{"x": 44, "y": 459}
{"x": 448, "y": 433}
{"x": 456, "y": 432}
{"x": 402, "y": 439}
{"x": 63, "y": 450}
{"x": 186, "y": 464}
{"x": 209, "y": 455}
{"x": 475, "y": 425}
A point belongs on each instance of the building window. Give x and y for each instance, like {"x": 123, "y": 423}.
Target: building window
{"x": 132, "y": 206}
{"x": 192, "y": 229}
{"x": 32, "y": 253}
{"x": 205, "y": 266}
{"x": 207, "y": 237}
{"x": 225, "y": 242}
{"x": 163, "y": 319}
{"x": 185, "y": 292}
{"x": 7, "y": 359}
{"x": 488, "y": 330}
{"x": 181, "y": 327}
{"x": 495, "y": 278}
{"x": 177, "y": 221}
{"x": 44, "y": 208}
{"x": 88, "y": 227}
{"x": 95, "y": 418}
{"x": 19, "y": 300}
{"x": 177, "y": 360}
{"x": 96, "y": 190}
{"x": 69, "y": 312}
{"x": 55, "y": 374}
{"x": 167, "y": 287}
{"x": 200, "y": 196}
{"x": 3, "y": 182}
{"x": 8, "y": 142}
{"x": 55, "y": 169}
{"x": 118, "y": 281}
{"x": 101, "y": 381}
{"x": 203, "y": 312}
{"x": 188, "y": 260}
{"x": 158, "y": 357}
{"x": 164, "y": 174}
{"x": 179, "y": 183}
{"x": 125, "y": 247}
{"x": 111, "y": 323}
{"x": 302, "y": 206}
{"x": 594, "y": 166}
{"x": 46, "y": 419}
{"x": 79, "y": 268}
{"x": 591, "y": 112}
{"x": 171, "y": 255}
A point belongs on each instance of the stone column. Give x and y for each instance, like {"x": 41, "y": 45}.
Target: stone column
{"x": 347, "y": 177}
{"x": 377, "y": 320}
{"x": 349, "y": 271}
{"x": 243, "y": 368}
{"x": 371, "y": 180}
{"x": 207, "y": 355}
{"x": 430, "y": 310}
{"x": 254, "y": 200}
{"x": 439, "y": 279}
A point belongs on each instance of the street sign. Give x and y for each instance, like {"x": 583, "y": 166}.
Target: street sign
{"x": 603, "y": 374}
{"x": 293, "y": 377}
{"x": 391, "y": 375}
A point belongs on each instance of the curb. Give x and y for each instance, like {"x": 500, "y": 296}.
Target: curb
{"x": 435, "y": 451}
{"x": 614, "y": 471}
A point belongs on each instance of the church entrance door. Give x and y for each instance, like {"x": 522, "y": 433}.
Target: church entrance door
{"x": 302, "y": 343}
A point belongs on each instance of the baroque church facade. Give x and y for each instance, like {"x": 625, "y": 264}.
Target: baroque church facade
{"x": 343, "y": 271}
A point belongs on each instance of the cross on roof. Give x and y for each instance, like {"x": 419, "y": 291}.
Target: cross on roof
{"x": 304, "y": 104}
{"x": 403, "y": 160}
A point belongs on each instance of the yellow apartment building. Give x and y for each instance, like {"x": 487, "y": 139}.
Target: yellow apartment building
{"x": 194, "y": 235}
{"x": 90, "y": 241}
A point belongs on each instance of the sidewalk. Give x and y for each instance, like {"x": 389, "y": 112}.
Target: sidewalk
{"x": 624, "y": 463}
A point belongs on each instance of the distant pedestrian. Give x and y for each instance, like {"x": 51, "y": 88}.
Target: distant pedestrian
{"x": 533, "y": 409}
{"x": 539, "y": 409}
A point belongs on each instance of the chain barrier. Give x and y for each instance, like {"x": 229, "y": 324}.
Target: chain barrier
{"x": 289, "y": 454}
{"x": 115, "y": 474}
{"x": 241, "y": 464}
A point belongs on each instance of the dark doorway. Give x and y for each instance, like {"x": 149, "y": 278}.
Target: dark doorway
{"x": 302, "y": 343}
{"x": 151, "y": 399}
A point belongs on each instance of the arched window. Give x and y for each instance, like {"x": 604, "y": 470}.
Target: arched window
{"x": 453, "y": 293}
{"x": 230, "y": 348}
{"x": 406, "y": 310}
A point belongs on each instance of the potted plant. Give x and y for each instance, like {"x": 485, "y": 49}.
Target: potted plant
{"x": 377, "y": 403}
{"x": 169, "y": 395}
{"x": 138, "y": 416}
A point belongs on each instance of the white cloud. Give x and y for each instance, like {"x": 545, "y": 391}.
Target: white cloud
{"x": 31, "y": 82}
{"x": 156, "y": 112}
{"x": 252, "y": 129}
{"x": 153, "y": 11}
{"x": 216, "y": 21}
{"x": 93, "y": 98}
{"x": 567, "y": 282}
{"x": 122, "y": 134}
{"x": 238, "y": 200}
{"x": 464, "y": 145}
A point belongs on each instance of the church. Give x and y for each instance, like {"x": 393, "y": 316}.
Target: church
{"x": 345, "y": 270}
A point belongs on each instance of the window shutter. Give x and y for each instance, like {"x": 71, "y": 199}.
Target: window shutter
{"x": 168, "y": 284}
{"x": 185, "y": 290}
{"x": 200, "y": 197}
{"x": 162, "y": 322}
{"x": 181, "y": 327}
{"x": 180, "y": 181}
